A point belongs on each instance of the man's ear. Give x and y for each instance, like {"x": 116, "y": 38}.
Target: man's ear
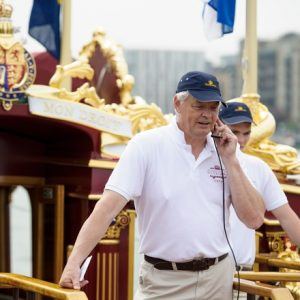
{"x": 177, "y": 104}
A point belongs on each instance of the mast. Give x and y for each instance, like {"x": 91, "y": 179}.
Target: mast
{"x": 249, "y": 60}
{"x": 65, "y": 51}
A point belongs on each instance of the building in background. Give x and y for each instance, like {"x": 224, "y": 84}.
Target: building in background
{"x": 279, "y": 76}
{"x": 157, "y": 72}
{"x": 229, "y": 74}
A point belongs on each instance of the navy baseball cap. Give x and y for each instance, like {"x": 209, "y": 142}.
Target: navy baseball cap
{"x": 235, "y": 113}
{"x": 202, "y": 86}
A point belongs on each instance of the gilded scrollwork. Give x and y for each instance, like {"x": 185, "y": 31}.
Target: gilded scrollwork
{"x": 143, "y": 117}
{"x": 281, "y": 158}
{"x": 290, "y": 255}
{"x": 276, "y": 241}
{"x": 116, "y": 63}
{"x": 121, "y": 222}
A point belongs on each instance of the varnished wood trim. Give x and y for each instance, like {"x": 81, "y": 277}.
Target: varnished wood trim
{"x": 92, "y": 163}
{"x": 277, "y": 262}
{"x": 110, "y": 276}
{"x": 293, "y": 189}
{"x": 40, "y": 287}
{"x": 94, "y": 197}
{"x": 275, "y": 233}
{"x": 22, "y": 180}
{"x": 40, "y": 234}
{"x": 103, "y": 275}
{"x": 254, "y": 288}
{"x": 132, "y": 215}
{"x": 102, "y": 164}
{"x": 98, "y": 276}
{"x": 109, "y": 242}
{"x": 58, "y": 231}
{"x": 115, "y": 276}
{"x": 270, "y": 222}
{"x": 270, "y": 276}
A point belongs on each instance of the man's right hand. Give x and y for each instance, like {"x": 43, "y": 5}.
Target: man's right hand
{"x": 70, "y": 278}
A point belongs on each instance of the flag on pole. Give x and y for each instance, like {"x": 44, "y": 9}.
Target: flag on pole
{"x": 218, "y": 17}
{"x": 44, "y": 25}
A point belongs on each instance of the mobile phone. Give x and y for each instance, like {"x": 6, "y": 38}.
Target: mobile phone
{"x": 84, "y": 267}
{"x": 215, "y": 135}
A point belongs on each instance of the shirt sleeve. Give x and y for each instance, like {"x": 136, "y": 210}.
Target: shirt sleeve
{"x": 127, "y": 178}
{"x": 272, "y": 192}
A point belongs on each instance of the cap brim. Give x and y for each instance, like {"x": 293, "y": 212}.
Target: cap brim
{"x": 207, "y": 96}
{"x": 236, "y": 120}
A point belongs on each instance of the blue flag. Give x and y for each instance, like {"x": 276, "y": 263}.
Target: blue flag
{"x": 218, "y": 17}
{"x": 44, "y": 25}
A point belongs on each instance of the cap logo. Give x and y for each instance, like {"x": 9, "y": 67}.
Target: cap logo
{"x": 210, "y": 83}
{"x": 240, "y": 108}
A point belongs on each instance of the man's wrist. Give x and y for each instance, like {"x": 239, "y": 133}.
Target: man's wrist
{"x": 231, "y": 162}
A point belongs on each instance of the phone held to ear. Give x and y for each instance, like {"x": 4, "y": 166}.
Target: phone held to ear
{"x": 215, "y": 135}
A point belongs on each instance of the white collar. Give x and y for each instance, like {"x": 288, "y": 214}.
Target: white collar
{"x": 178, "y": 137}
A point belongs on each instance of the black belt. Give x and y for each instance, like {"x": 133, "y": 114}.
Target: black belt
{"x": 200, "y": 264}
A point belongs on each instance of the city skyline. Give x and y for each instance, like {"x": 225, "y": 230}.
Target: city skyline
{"x": 177, "y": 25}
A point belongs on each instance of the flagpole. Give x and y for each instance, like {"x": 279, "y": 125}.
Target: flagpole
{"x": 65, "y": 51}
{"x": 249, "y": 60}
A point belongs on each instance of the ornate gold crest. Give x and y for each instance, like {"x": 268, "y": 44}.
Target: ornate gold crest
{"x": 17, "y": 66}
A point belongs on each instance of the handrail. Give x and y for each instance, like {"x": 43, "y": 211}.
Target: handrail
{"x": 39, "y": 286}
{"x": 270, "y": 276}
{"x": 250, "y": 287}
{"x": 277, "y": 262}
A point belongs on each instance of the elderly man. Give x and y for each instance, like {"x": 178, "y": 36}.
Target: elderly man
{"x": 238, "y": 118}
{"x": 182, "y": 184}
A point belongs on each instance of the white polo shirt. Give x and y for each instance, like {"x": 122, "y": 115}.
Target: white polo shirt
{"x": 178, "y": 199}
{"x": 265, "y": 182}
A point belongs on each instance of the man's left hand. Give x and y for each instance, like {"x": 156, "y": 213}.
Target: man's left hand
{"x": 227, "y": 143}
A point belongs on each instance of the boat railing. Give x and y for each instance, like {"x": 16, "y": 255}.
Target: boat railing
{"x": 276, "y": 262}
{"x": 261, "y": 289}
{"x": 33, "y": 287}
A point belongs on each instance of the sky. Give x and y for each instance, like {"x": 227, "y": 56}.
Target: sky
{"x": 163, "y": 24}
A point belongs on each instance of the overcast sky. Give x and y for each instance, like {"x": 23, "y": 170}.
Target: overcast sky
{"x": 164, "y": 24}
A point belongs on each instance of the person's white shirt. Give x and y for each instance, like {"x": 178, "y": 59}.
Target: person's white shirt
{"x": 178, "y": 199}
{"x": 261, "y": 176}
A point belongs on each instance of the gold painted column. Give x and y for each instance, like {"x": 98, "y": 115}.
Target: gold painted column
{"x": 250, "y": 49}
{"x": 65, "y": 51}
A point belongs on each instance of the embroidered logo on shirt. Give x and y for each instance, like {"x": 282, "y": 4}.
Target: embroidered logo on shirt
{"x": 215, "y": 173}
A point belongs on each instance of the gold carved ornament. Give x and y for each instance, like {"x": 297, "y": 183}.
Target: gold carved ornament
{"x": 116, "y": 64}
{"x": 276, "y": 241}
{"x": 142, "y": 115}
{"x": 290, "y": 255}
{"x": 281, "y": 158}
{"x": 77, "y": 69}
{"x": 122, "y": 221}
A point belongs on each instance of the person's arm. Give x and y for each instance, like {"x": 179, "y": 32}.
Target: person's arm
{"x": 246, "y": 200}
{"x": 289, "y": 221}
{"x": 90, "y": 234}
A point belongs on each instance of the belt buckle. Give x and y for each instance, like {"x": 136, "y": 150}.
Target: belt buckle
{"x": 200, "y": 265}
